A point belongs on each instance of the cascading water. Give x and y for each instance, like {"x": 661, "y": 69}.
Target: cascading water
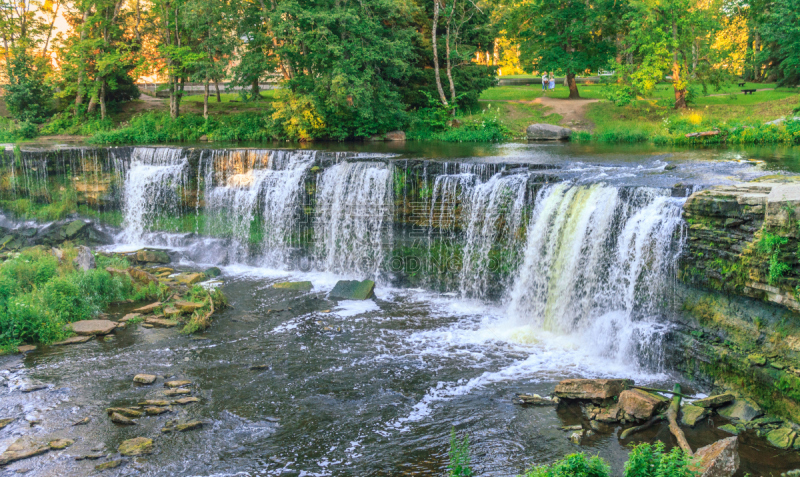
{"x": 155, "y": 179}
{"x": 252, "y": 197}
{"x": 599, "y": 262}
{"x": 353, "y": 217}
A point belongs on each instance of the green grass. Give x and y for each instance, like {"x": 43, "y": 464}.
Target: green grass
{"x": 40, "y": 294}
{"x": 516, "y": 116}
{"x": 268, "y": 95}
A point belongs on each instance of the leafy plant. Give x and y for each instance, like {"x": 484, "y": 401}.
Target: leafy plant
{"x": 573, "y": 465}
{"x": 459, "y": 465}
{"x": 650, "y": 460}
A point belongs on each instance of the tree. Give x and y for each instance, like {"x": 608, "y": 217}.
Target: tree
{"x": 28, "y": 94}
{"x": 564, "y": 36}
{"x": 781, "y": 32}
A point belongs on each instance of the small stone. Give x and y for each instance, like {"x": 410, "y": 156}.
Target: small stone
{"x": 33, "y": 387}
{"x": 782, "y": 438}
{"x": 162, "y": 322}
{"x": 125, "y": 411}
{"x": 730, "y": 429}
{"x": 177, "y": 384}
{"x": 136, "y": 446}
{"x": 534, "y": 400}
{"x": 212, "y": 272}
{"x": 576, "y": 427}
{"x": 89, "y": 457}
{"x": 153, "y": 402}
{"x": 777, "y": 365}
{"x": 155, "y": 411}
{"x": 296, "y": 286}
{"x": 118, "y": 418}
{"x": 59, "y": 444}
{"x": 547, "y": 132}
{"x": 691, "y": 415}
{"x": 146, "y": 325}
{"x": 259, "y": 367}
{"x": 148, "y": 308}
{"x": 112, "y": 464}
{"x": 714, "y": 401}
{"x": 741, "y": 409}
{"x": 757, "y": 360}
{"x": 82, "y": 422}
{"x": 25, "y": 348}
{"x": 176, "y": 392}
{"x": 5, "y": 422}
{"x": 190, "y": 278}
{"x": 576, "y": 437}
{"x": 73, "y": 340}
{"x": 189, "y": 426}
{"x": 609, "y": 414}
{"x": 92, "y": 327}
{"x": 152, "y": 256}
{"x": 144, "y": 379}
{"x": 187, "y": 400}
{"x": 129, "y": 317}
{"x": 188, "y": 306}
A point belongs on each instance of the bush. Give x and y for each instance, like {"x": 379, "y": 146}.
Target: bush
{"x": 27, "y": 94}
{"x": 574, "y": 465}
{"x": 650, "y": 460}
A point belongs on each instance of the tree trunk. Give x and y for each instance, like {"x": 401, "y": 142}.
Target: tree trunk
{"x": 573, "y": 86}
{"x": 102, "y": 97}
{"x": 255, "y": 93}
{"x": 436, "y": 53}
{"x": 756, "y": 64}
{"x": 680, "y": 90}
{"x": 205, "y": 99}
{"x": 672, "y": 418}
{"x": 450, "y": 68}
{"x": 79, "y": 89}
{"x": 216, "y": 86}
{"x": 173, "y": 97}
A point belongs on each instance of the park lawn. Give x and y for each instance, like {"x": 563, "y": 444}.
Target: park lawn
{"x": 515, "y": 116}
{"x": 268, "y": 95}
{"x": 531, "y": 92}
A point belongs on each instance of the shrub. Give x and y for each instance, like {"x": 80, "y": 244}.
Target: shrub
{"x": 574, "y": 465}
{"x": 650, "y": 460}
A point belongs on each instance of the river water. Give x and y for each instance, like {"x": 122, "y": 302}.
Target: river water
{"x": 500, "y": 270}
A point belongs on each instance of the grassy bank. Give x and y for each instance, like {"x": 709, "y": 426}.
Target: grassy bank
{"x": 39, "y": 294}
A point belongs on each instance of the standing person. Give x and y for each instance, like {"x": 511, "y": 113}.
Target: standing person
{"x": 544, "y": 81}
{"x": 552, "y": 80}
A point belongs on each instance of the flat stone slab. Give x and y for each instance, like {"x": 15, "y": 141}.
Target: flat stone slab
{"x": 296, "y": 286}
{"x": 162, "y": 322}
{"x": 353, "y": 290}
{"x": 26, "y": 348}
{"x": 547, "y": 132}
{"x": 73, "y": 340}
{"x": 177, "y": 384}
{"x": 187, "y": 306}
{"x": 136, "y": 446}
{"x": 176, "y": 392}
{"x": 144, "y": 378}
{"x": 782, "y": 437}
{"x": 92, "y": 327}
{"x": 20, "y": 450}
{"x": 152, "y": 256}
{"x": 187, "y": 400}
{"x": 129, "y": 317}
{"x": 591, "y": 388}
{"x": 147, "y": 308}
{"x": 191, "y": 278}
{"x": 714, "y": 401}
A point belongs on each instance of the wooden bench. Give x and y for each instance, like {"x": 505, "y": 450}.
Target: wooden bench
{"x": 748, "y": 91}
{"x": 741, "y": 83}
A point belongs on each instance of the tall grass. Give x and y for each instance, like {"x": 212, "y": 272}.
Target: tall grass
{"x": 40, "y": 294}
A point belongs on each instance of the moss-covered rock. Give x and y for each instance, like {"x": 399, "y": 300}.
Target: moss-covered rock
{"x": 782, "y": 438}
{"x": 136, "y": 446}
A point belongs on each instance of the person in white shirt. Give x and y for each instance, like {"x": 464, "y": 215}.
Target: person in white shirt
{"x": 544, "y": 81}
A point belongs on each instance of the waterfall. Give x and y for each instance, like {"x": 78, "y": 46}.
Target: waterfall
{"x": 155, "y": 179}
{"x": 599, "y": 261}
{"x": 353, "y": 218}
{"x": 252, "y": 197}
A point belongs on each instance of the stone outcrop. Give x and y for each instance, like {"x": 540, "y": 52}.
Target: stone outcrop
{"x": 352, "y": 290}
{"x": 591, "y": 389}
{"x": 640, "y": 405}
{"x": 547, "y": 132}
{"x": 92, "y": 327}
{"x": 85, "y": 259}
{"x": 720, "y": 459}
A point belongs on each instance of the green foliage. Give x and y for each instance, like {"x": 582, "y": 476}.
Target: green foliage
{"x": 459, "y": 465}
{"x": 650, "y": 460}
{"x": 782, "y": 32}
{"x": 27, "y": 95}
{"x": 770, "y": 245}
{"x": 573, "y": 465}
{"x": 39, "y": 294}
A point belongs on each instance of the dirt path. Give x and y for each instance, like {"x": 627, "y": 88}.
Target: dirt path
{"x": 573, "y": 111}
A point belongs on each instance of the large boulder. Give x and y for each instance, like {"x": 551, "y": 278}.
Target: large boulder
{"x": 639, "y": 405}
{"x": 353, "y": 290}
{"x": 720, "y": 459}
{"x": 691, "y": 415}
{"x": 741, "y": 409}
{"x": 782, "y": 437}
{"x": 152, "y": 256}
{"x": 547, "y": 132}
{"x": 591, "y": 388}
{"x": 296, "y": 286}
{"x": 85, "y": 259}
{"x": 92, "y": 327}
